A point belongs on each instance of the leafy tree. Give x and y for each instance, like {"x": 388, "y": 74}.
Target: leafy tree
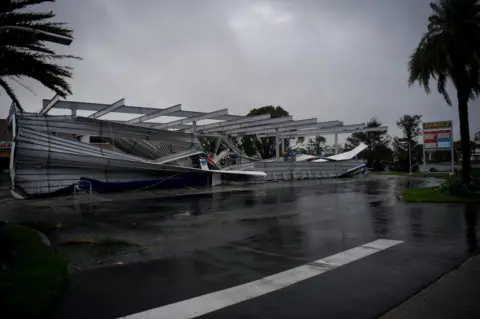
{"x": 329, "y": 150}
{"x": 300, "y": 145}
{"x": 377, "y": 143}
{"x": 399, "y": 145}
{"x": 25, "y": 56}
{"x": 300, "y": 139}
{"x": 410, "y": 126}
{"x": 264, "y": 146}
{"x": 209, "y": 143}
{"x": 316, "y": 145}
{"x": 449, "y": 51}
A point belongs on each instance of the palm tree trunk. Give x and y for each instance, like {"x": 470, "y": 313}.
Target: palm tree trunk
{"x": 462, "y": 96}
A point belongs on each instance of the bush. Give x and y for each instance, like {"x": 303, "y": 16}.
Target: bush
{"x": 454, "y": 186}
{"x": 378, "y": 166}
{"x": 433, "y": 170}
{"x": 35, "y": 277}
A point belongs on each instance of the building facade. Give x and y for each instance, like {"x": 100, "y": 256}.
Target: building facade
{"x": 5, "y": 144}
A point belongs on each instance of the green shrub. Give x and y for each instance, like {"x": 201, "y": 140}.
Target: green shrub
{"x": 454, "y": 186}
{"x": 35, "y": 278}
{"x": 378, "y": 166}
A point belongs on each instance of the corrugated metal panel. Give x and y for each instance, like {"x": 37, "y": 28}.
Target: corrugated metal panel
{"x": 301, "y": 169}
{"x": 44, "y": 163}
{"x": 146, "y": 149}
{"x": 177, "y": 156}
{"x": 134, "y": 147}
{"x": 162, "y": 148}
{"x": 38, "y": 181}
{"x": 107, "y": 129}
{"x": 45, "y": 149}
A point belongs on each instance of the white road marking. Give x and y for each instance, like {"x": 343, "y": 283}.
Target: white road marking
{"x": 204, "y": 304}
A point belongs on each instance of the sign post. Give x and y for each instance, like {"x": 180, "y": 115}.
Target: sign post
{"x": 452, "y": 151}
{"x": 410, "y": 158}
{"x": 438, "y": 136}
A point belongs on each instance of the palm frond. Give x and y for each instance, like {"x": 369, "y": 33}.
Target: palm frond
{"x": 21, "y": 4}
{"x": 22, "y": 55}
{"x": 8, "y": 89}
{"x": 19, "y": 18}
{"x": 27, "y": 47}
{"x": 450, "y": 48}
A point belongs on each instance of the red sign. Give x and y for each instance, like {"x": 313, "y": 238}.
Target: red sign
{"x": 437, "y": 139}
{"x": 433, "y": 136}
{"x": 5, "y": 144}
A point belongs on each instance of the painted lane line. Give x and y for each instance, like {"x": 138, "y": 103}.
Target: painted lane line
{"x": 204, "y": 304}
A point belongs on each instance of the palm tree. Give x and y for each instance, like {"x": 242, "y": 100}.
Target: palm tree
{"x": 24, "y": 55}
{"x": 450, "y": 51}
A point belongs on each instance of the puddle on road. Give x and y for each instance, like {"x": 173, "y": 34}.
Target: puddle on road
{"x": 169, "y": 228}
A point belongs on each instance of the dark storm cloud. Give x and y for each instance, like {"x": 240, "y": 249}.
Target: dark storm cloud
{"x": 331, "y": 59}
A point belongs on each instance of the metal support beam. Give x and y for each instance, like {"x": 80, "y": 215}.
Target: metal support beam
{"x": 277, "y": 151}
{"x": 286, "y": 130}
{"x": 246, "y": 121}
{"x": 316, "y": 126}
{"x": 270, "y": 121}
{"x": 217, "y": 146}
{"x": 325, "y": 132}
{"x": 50, "y": 104}
{"x": 205, "y": 116}
{"x": 278, "y": 127}
{"x": 156, "y": 114}
{"x": 108, "y": 109}
{"x": 194, "y": 127}
{"x": 128, "y": 109}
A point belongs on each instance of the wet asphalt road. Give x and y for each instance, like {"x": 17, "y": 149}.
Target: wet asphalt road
{"x": 224, "y": 240}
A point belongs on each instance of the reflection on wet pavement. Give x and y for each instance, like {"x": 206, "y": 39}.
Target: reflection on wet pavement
{"x": 295, "y": 220}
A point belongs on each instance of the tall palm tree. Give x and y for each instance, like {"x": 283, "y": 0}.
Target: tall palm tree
{"x": 450, "y": 51}
{"x": 23, "y": 55}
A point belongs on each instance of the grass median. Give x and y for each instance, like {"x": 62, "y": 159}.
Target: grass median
{"x": 34, "y": 275}
{"x": 433, "y": 195}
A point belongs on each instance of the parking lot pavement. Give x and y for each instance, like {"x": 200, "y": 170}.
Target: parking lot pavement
{"x": 339, "y": 250}
{"x": 455, "y": 295}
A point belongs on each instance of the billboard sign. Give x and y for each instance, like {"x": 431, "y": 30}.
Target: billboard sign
{"x": 437, "y": 125}
{"x": 437, "y": 135}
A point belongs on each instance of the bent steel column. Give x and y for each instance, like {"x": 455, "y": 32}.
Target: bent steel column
{"x": 336, "y": 144}
{"x": 277, "y": 151}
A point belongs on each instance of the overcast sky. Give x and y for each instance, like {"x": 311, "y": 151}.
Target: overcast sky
{"x": 331, "y": 59}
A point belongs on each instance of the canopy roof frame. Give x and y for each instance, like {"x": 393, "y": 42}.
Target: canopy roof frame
{"x": 155, "y": 114}
{"x": 339, "y": 130}
{"x": 272, "y": 121}
{"x": 246, "y": 120}
{"x": 127, "y": 109}
{"x": 107, "y": 109}
{"x": 205, "y": 116}
{"x": 227, "y": 125}
{"x": 294, "y": 125}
